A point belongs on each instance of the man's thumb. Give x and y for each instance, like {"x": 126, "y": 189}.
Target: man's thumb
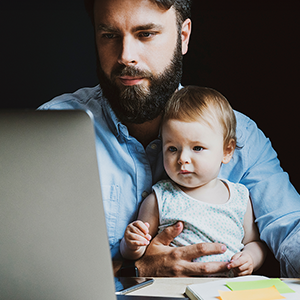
{"x": 169, "y": 233}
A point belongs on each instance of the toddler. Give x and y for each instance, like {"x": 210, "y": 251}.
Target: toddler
{"x": 198, "y": 136}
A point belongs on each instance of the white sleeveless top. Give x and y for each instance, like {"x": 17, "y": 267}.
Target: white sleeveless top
{"x": 204, "y": 222}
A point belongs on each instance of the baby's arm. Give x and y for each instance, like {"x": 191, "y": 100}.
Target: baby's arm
{"x": 253, "y": 255}
{"x": 139, "y": 233}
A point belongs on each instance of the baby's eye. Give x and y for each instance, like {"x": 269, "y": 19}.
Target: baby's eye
{"x": 172, "y": 149}
{"x": 198, "y": 148}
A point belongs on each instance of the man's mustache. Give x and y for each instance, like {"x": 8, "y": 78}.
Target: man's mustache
{"x": 131, "y": 71}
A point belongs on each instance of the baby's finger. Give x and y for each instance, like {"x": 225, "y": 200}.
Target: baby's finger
{"x": 242, "y": 271}
{"x": 245, "y": 268}
{"x": 236, "y": 256}
{"x": 142, "y": 229}
{"x": 246, "y": 272}
{"x": 143, "y": 242}
{"x": 236, "y": 262}
{"x": 136, "y": 240}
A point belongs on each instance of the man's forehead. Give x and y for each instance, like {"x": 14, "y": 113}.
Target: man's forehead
{"x": 155, "y": 2}
{"x": 137, "y": 12}
{"x": 128, "y": 5}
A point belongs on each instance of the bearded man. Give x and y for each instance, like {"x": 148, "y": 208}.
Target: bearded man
{"x": 140, "y": 44}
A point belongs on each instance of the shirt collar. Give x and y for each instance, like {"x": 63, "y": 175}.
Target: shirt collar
{"x": 113, "y": 122}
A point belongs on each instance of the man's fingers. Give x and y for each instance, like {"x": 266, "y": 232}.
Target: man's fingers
{"x": 202, "y": 269}
{"x": 168, "y": 234}
{"x": 202, "y": 249}
{"x": 178, "y": 261}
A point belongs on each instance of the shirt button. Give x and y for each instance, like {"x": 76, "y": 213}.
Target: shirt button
{"x": 153, "y": 146}
{"x": 144, "y": 194}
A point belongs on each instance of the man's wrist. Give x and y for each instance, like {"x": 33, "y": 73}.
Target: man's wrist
{"x": 128, "y": 269}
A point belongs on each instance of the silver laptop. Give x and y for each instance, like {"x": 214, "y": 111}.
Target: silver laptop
{"x": 53, "y": 241}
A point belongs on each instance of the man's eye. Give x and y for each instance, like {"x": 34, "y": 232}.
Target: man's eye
{"x": 108, "y": 35}
{"x": 146, "y": 34}
{"x": 172, "y": 149}
{"x": 198, "y": 148}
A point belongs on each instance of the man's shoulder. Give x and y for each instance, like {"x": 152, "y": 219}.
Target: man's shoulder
{"x": 80, "y": 99}
{"x": 247, "y": 130}
{"x": 243, "y": 120}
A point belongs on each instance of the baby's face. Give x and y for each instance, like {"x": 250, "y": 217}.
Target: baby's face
{"x": 193, "y": 152}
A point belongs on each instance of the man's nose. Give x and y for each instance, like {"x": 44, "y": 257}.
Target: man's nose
{"x": 128, "y": 52}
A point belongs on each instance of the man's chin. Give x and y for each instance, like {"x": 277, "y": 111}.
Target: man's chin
{"x": 131, "y": 94}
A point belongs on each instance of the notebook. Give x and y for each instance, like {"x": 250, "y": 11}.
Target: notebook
{"x": 250, "y": 287}
{"x": 53, "y": 241}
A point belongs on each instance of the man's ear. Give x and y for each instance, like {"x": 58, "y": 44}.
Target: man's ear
{"x": 185, "y": 35}
{"x": 228, "y": 151}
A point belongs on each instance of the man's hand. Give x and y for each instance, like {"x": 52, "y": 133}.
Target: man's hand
{"x": 160, "y": 259}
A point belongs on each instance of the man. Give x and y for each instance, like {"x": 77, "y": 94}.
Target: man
{"x": 140, "y": 44}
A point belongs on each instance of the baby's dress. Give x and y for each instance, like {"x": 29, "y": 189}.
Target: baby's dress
{"x": 204, "y": 222}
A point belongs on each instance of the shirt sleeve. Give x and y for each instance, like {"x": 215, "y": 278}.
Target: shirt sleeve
{"x": 276, "y": 203}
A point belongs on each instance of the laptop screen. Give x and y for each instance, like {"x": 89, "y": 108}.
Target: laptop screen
{"x": 52, "y": 226}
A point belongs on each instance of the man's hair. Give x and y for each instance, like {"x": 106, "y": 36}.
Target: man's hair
{"x": 182, "y": 8}
{"x": 193, "y": 103}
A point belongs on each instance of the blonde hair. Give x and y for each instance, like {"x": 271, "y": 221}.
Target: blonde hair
{"x": 192, "y": 102}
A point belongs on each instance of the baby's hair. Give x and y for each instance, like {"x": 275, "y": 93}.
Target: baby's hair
{"x": 192, "y": 103}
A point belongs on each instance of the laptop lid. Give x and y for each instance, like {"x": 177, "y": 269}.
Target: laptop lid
{"x": 53, "y": 240}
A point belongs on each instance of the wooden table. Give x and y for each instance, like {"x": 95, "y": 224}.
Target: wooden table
{"x": 175, "y": 287}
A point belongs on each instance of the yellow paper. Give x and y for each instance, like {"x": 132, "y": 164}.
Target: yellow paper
{"x": 270, "y": 293}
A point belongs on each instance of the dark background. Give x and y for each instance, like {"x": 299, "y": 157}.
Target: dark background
{"x": 250, "y": 54}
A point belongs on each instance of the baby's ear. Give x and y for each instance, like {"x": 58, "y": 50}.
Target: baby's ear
{"x": 228, "y": 151}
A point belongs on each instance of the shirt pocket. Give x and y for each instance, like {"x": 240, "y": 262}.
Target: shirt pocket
{"x": 110, "y": 195}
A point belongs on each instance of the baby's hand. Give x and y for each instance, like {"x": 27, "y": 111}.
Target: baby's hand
{"x": 241, "y": 263}
{"x": 137, "y": 235}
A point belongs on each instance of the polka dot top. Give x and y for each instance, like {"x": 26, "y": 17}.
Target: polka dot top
{"x": 204, "y": 222}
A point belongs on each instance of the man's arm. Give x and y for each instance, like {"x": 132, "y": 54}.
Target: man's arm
{"x": 276, "y": 203}
{"x": 162, "y": 260}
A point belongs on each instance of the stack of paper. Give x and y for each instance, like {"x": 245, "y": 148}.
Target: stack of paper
{"x": 245, "y": 288}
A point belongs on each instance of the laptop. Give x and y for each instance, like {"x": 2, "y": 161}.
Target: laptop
{"x": 53, "y": 240}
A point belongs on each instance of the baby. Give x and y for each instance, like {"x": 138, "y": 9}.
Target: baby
{"x": 198, "y": 136}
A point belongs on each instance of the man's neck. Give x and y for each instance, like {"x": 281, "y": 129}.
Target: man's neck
{"x": 146, "y": 132}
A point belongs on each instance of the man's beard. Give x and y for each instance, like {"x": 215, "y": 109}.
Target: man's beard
{"x": 138, "y": 104}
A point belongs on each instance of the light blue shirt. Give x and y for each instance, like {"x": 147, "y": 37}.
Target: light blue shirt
{"x": 128, "y": 171}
